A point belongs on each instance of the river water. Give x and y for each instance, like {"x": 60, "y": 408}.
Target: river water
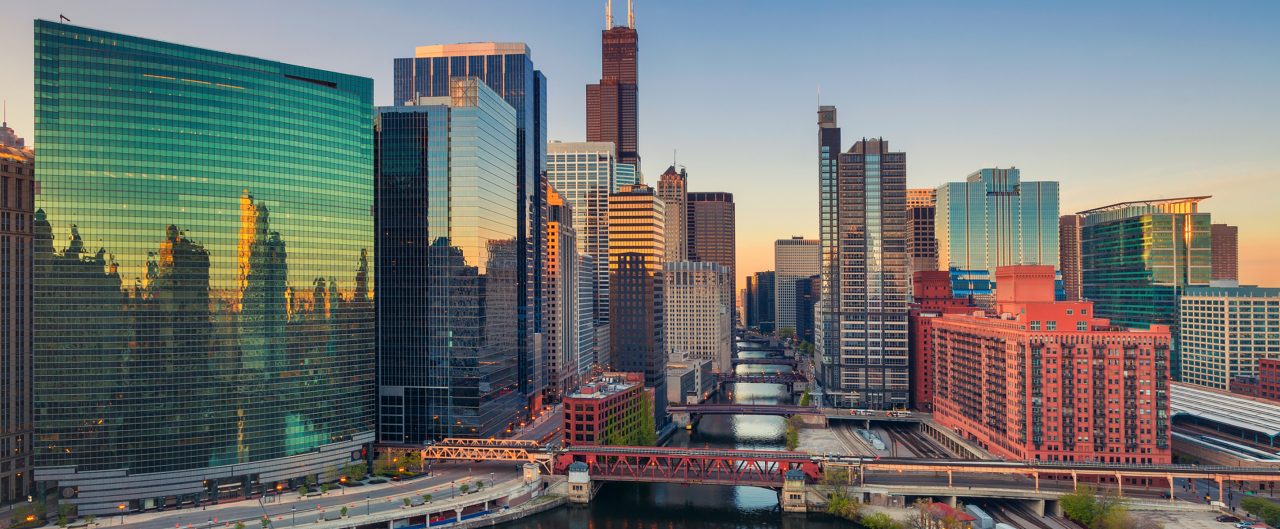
{"x": 673, "y": 506}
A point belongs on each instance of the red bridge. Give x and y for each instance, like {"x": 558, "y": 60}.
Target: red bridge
{"x": 745, "y": 409}
{"x": 762, "y": 468}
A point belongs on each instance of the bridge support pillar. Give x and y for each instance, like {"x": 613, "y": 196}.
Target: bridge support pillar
{"x": 951, "y": 501}
{"x": 1037, "y": 506}
{"x": 794, "y": 493}
{"x": 580, "y": 487}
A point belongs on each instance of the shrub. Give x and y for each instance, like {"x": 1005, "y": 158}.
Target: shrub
{"x": 879, "y": 520}
{"x": 464, "y": 488}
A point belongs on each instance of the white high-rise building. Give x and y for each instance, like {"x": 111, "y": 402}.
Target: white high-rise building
{"x": 699, "y": 312}
{"x": 1225, "y": 328}
{"x": 793, "y": 259}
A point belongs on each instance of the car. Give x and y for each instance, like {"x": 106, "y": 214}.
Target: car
{"x": 1227, "y": 518}
{"x": 1244, "y": 525}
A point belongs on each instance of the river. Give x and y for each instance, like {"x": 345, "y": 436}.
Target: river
{"x": 672, "y": 506}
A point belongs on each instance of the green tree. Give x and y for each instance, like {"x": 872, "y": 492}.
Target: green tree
{"x": 266, "y": 522}
{"x": 840, "y": 503}
{"x": 464, "y": 488}
{"x": 879, "y": 520}
{"x": 786, "y": 333}
{"x": 239, "y": 525}
{"x": 792, "y": 435}
{"x": 805, "y": 398}
{"x": 407, "y": 502}
{"x": 303, "y": 490}
{"x": 834, "y": 476}
{"x": 1081, "y": 506}
{"x": 426, "y": 498}
{"x": 343, "y": 511}
{"x": 356, "y": 471}
{"x": 1268, "y": 511}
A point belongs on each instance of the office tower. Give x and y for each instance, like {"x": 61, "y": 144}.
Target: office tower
{"x": 793, "y": 259}
{"x": 699, "y": 313}
{"x": 1226, "y": 251}
{"x": 585, "y": 173}
{"x": 508, "y": 70}
{"x": 807, "y": 290}
{"x": 636, "y": 250}
{"x": 203, "y": 321}
{"x": 992, "y": 219}
{"x": 1225, "y": 330}
{"x": 1137, "y": 257}
{"x": 17, "y": 196}
{"x": 672, "y": 187}
{"x": 922, "y": 245}
{"x": 625, "y": 174}
{"x": 765, "y": 299}
{"x": 1052, "y": 381}
{"x": 561, "y": 337}
{"x": 869, "y": 368}
{"x": 826, "y": 338}
{"x": 1069, "y": 254}
{"x": 750, "y": 308}
{"x": 448, "y": 279}
{"x": 587, "y": 348}
{"x": 711, "y": 231}
{"x": 930, "y": 298}
{"x": 612, "y": 103}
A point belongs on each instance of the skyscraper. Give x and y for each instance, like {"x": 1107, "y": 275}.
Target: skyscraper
{"x": 1226, "y": 251}
{"x": 448, "y": 281}
{"x": 1069, "y": 255}
{"x": 1137, "y": 258}
{"x": 699, "y": 312}
{"x": 922, "y": 245}
{"x": 17, "y": 196}
{"x": 507, "y": 68}
{"x": 202, "y": 302}
{"x": 585, "y": 173}
{"x": 636, "y": 250}
{"x": 793, "y": 259}
{"x": 807, "y": 290}
{"x": 765, "y": 299}
{"x": 561, "y": 339}
{"x": 994, "y": 218}
{"x": 612, "y": 103}
{"x": 672, "y": 187}
{"x": 870, "y": 369}
{"x": 1225, "y": 330}
{"x": 750, "y": 309}
{"x": 711, "y": 231}
{"x": 826, "y": 337}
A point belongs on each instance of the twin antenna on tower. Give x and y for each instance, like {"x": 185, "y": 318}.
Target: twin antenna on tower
{"x": 608, "y": 15}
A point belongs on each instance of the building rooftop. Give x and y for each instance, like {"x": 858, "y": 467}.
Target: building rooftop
{"x": 1156, "y": 203}
{"x": 467, "y": 49}
{"x": 607, "y": 385}
{"x": 1249, "y": 413}
{"x": 1232, "y": 291}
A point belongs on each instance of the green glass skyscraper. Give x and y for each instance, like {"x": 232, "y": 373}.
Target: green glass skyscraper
{"x": 202, "y": 270}
{"x": 1138, "y": 257}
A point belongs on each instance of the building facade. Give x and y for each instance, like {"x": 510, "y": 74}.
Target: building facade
{"x": 507, "y": 69}
{"x": 613, "y": 103}
{"x": 923, "y": 245}
{"x": 711, "y": 231}
{"x": 446, "y": 212}
{"x": 869, "y": 309}
{"x": 17, "y": 209}
{"x": 201, "y": 331}
{"x": 614, "y": 409}
{"x": 1226, "y": 252}
{"x": 793, "y": 259}
{"x": 636, "y": 290}
{"x": 1265, "y": 384}
{"x": 588, "y": 350}
{"x": 1051, "y": 381}
{"x": 699, "y": 312}
{"x": 561, "y": 337}
{"x": 1225, "y": 330}
{"x": 930, "y": 298}
{"x": 826, "y": 337}
{"x": 672, "y": 187}
{"x": 1136, "y": 258}
{"x": 764, "y": 301}
{"x": 807, "y": 291}
{"x": 1069, "y": 256}
{"x": 992, "y": 219}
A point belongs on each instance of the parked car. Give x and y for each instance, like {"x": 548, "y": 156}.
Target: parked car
{"x": 1227, "y": 518}
{"x": 1244, "y": 525}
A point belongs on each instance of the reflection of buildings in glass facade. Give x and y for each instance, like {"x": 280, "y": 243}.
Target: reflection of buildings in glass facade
{"x": 446, "y": 205}
{"x": 1137, "y": 257}
{"x": 201, "y": 269}
{"x": 993, "y": 219}
{"x": 507, "y": 69}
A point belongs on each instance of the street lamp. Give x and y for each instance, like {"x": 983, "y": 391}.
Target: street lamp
{"x": 491, "y": 479}
{"x": 121, "y": 507}
{"x": 366, "y": 505}
{"x": 294, "y": 511}
{"x": 342, "y": 482}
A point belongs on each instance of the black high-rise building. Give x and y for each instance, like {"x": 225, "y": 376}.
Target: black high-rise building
{"x": 612, "y": 103}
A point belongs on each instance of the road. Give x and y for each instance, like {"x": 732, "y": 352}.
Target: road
{"x": 289, "y": 510}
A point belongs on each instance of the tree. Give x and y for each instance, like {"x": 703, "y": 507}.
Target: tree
{"x": 805, "y": 398}
{"x": 792, "y": 436}
{"x": 786, "y": 333}
{"x": 1080, "y": 506}
{"x": 266, "y": 522}
{"x": 833, "y": 476}
{"x": 426, "y": 498}
{"x": 343, "y": 511}
{"x": 1268, "y": 511}
{"x": 356, "y": 471}
{"x": 303, "y": 490}
{"x": 840, "y": 503}
{"x": 879, "y": 520}
{"x": 464, "y": 488}
{"x": 239, "y": 525}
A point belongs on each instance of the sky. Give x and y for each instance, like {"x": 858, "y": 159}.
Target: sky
{"x": 1116, "y": 100}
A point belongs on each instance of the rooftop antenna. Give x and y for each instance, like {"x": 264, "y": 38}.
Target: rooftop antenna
{"x": 63, "y": 18}
{"x": 608, "y": 14}
{"x": 631, "y": 16}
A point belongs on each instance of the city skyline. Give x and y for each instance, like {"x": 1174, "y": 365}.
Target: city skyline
{"x": 1124, "y": 94}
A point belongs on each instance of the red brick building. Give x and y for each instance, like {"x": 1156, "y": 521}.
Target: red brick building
{"x": 1266, "y": 385}
{"x": 931, "y": 298}
{"x": 613, "y": 409}
{"x": 1045, "y": 380}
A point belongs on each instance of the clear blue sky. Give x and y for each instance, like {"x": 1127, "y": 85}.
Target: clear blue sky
{"x": 1117, "y": 100}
